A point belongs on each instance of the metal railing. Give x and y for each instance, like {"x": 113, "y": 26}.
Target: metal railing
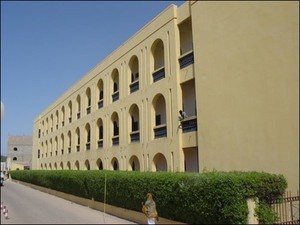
{"x": 186, "y": 59}
{"x": 287, "y": 209}
{"x": 189, "y": 124}
{"x": 160, "y": 131}
{"x": 115, "y": 96}
{"x": 134, "y": 86}
{"x": 135, "y": 136}
{"x": 100, "y": 143}
{"x": 115, "y": 140}
{"x": 158, "y": 74}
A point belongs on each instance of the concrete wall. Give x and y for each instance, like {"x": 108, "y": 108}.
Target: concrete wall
{"x": 19, "y": 151}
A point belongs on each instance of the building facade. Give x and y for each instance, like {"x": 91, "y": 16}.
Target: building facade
{"x": 231, "y": 66}
{"x": 19, "y": 155}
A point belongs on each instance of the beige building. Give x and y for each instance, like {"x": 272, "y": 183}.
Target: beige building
{"x": 19, "y": 155}
{"x": 231, "y": 66}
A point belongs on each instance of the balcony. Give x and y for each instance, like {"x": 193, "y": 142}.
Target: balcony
{"x": 115, "y": 96}
{"x": 158, "y": 74}
{"x": 135, "y": 136}
{"x": 134, "y": 86}
{"x": 189, "y": 124}
{"x": 88, "y": 146}
{"x": 100, "y": 143}
{"x": 115, "y": 140}
{"x": 88, "y": 110}
{"x": 100, "y": 104}
{"x": 186, "y": 59}
{"x": 160, "y": 131}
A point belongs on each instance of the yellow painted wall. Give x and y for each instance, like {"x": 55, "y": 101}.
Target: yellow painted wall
{"x": 247, "y": 84}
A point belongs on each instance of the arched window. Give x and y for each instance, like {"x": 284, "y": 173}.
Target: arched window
{"x": 115, "y": 81}
{"x": 158, "y": 60}
{"x": 160, "y": 116}
{"x": 88, "y": 101}
{"x": 134, "y": 74}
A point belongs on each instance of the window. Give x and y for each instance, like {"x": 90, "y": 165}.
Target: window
{"x": 157, "y": 120}
{"x": 15, "y": 149}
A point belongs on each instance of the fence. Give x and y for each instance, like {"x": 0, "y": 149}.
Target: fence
{"x": 287, "y": 209}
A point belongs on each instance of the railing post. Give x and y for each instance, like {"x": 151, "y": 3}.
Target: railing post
{"x": 251, "y": 203}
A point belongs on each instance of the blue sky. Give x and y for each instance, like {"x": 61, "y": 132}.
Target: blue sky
{"x": 46, "y": 47}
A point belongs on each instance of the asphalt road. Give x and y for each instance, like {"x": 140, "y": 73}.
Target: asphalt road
{"x": 29, "y": 206}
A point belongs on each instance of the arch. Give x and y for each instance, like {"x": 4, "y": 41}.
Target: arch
{"x": 115, "y": 164}
{"x": 57, "y": 119}
{"x": 134, "y": 164}
{"x": 78, "y": 139}
{"x": 88, "y": 102}
{"x": 134, "y": 115}
{"x": 51, "y": 119}
{"x": 70, "y": 111}
{"x": 78, "y": 104}
{"x": 100, "y": 132}
{"x": 100, "y": 89}
{"x": 134, "y": 123}
{"x": 87, "y": 165}
{"x": 99, "y": 164}
{"x": 69, "y": 141}
{"x": 100, "y": 128}
{"x": 77, "y": 167}
{"x": 62, "y": 143}
{"x": 55, "y": 166}
{"x": 63, "y": 116}
{"x": 88, "y": 136}
{"x": 61, "y": 165}
{"x": 115, "y": 80}
{"x": 56, "y": 144}
{"x": 133, "y": 68}
{"x": 50, "y": 146}
{"x": 88, "y": 96}
{"x": 68, "y": 165}
{"x": 157, "y": 50}
{"x": 159, "y": 163}
{"x": 115, "y": 123}
{"x": 46, "y": 147}
{"x": 47, "y": 125}
{"x": 50, "y": 166}
{"x": 159, "y": 116}
{"x": 159, "y": 107}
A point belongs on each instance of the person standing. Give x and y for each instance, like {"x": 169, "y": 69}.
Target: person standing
{"x": 149, "y": 209}
{"x": 182, "y": 115}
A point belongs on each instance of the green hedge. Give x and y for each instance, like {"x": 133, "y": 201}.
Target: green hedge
{"x": 206, "y": 198}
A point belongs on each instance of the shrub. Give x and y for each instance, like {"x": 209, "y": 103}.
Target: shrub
{"x": 206, "y": 198}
